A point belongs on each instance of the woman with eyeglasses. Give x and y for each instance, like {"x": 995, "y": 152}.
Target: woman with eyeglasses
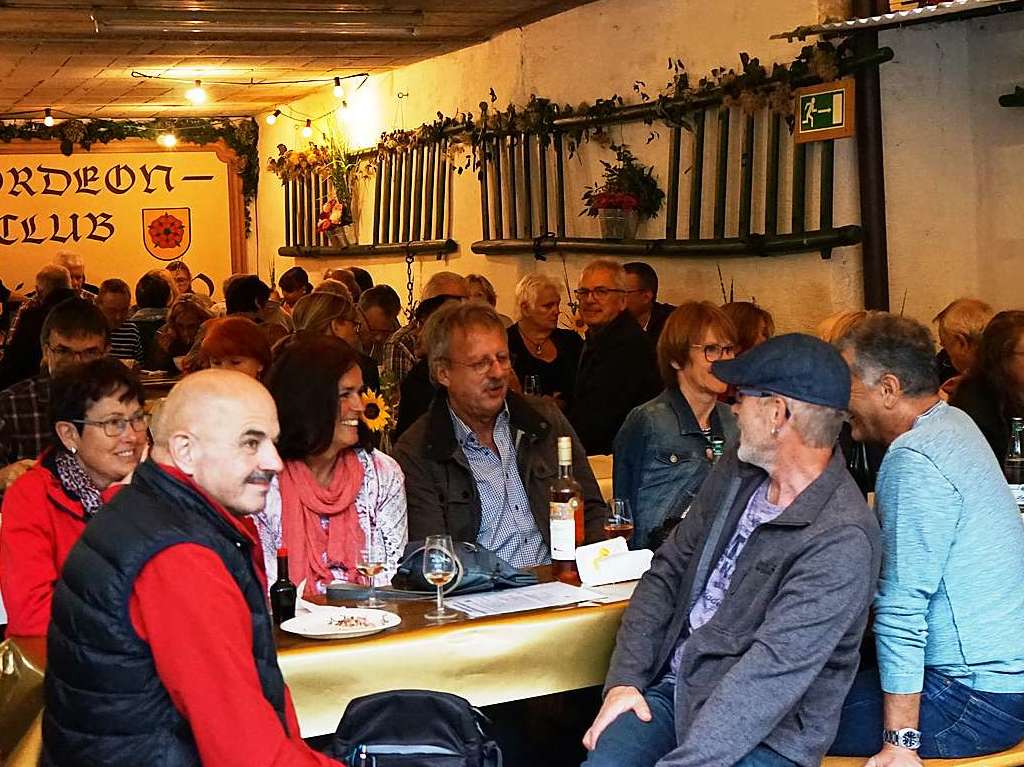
{"x": 664, "y": 451}
{"x": 335, "y": 315}
{"x": 337, "y": 496}
{"x": 99, "y": 437}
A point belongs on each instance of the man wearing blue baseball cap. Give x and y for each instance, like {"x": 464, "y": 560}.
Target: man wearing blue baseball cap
{"x": 741, "y": 641}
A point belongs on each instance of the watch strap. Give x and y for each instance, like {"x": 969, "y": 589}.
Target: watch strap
{"x": 906, "y": 737}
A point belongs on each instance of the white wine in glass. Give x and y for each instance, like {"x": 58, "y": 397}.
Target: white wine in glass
{"x": 371, "y": 563}
{"x": 439, "y": 567}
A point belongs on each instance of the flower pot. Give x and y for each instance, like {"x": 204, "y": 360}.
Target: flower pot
{"x": 342, "y": 236}
{"x": 617, "y": 224}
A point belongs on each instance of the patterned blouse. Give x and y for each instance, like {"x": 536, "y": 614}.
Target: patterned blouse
{"x": 381, "y": 507}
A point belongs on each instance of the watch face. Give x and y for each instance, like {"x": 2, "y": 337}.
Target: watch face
{"x": 910, "y": 739}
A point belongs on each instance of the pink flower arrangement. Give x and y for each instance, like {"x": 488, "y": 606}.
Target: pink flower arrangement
{"x": 333, "y": 214}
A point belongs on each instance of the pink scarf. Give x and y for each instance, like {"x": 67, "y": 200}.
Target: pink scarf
{"x": 303, "y": 503}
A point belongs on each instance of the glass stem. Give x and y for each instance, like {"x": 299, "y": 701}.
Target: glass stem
{"x": 440, "y": 600}
{"x": 373, "y": 589}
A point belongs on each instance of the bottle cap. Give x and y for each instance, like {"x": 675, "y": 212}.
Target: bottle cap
{"x": 565, "y": 450}
{"x": 283, "y": 551}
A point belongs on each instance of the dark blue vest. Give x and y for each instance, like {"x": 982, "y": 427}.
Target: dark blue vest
{"x": 105, "y": 704}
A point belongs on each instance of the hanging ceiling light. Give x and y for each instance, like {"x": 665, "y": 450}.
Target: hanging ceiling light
{"x": 307, "y": 131}
{"x": 48, "y": 119}
{"x": 272, "y": 118}
{"x": 196, "y": 94}
{"x": 167, "y": 140}
{"x": 339, "y": 89}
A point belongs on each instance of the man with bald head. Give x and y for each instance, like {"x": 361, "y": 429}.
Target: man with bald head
{"x": 400, "y": 350}
{"x": 161, "y": 646}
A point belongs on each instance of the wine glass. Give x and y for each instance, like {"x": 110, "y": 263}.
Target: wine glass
{"x": 439, "y": 567}
{"x": 370, "y": 563}
{"x": 619, "y": 521}
{"x": 531, "y": 386}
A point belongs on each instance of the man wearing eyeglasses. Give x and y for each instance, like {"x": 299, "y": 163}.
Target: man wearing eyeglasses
{"x": 741, "y": 641}
{"x": 618, "y": 369}
{"x": 479, "y": 463}
{"x": 74, "y": 331}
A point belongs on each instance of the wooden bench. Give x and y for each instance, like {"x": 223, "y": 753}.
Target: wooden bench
{"x": 1013, "y": 757}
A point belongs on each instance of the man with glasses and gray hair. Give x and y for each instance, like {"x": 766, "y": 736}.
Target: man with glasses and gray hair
{"x": 741, "y": 641}
{"x": 479, "y": 463}
{"x": 618, "y": 369}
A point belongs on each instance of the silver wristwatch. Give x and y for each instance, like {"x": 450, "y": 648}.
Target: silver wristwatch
{"x": 906, "y": 738}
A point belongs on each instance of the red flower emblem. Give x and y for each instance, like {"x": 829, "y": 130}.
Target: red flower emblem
{"x": 167, "y": 231}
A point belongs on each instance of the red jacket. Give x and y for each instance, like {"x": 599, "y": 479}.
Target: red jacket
{"x": 39, "y": 525}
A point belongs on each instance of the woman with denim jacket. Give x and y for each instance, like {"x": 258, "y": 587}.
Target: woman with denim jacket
{"x": 663, "y": 450}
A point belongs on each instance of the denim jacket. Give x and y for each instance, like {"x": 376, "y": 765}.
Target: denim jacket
{"x": 661, "y": 459}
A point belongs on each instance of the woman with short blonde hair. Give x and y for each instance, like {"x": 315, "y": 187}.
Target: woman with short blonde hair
{"x": 537, "y": 346}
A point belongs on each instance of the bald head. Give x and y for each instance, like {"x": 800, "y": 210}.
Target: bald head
{"x": 218, "y": 427}
{"x": 446, "y": 284}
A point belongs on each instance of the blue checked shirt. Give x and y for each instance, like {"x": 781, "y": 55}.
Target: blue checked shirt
{"x": 507, "y": 526}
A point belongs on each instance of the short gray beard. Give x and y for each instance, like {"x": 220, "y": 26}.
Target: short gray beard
{"x": 757, "y": 456}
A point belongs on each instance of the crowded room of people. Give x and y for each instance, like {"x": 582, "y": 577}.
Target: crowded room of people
{"x": 534, "y": 383}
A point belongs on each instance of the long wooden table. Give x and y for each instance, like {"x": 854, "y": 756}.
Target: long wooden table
{"x": 486, "y": 660}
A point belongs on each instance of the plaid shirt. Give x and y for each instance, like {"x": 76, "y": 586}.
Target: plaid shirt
{"x": 399, "y": 355}
{"x": 25, "y": 427}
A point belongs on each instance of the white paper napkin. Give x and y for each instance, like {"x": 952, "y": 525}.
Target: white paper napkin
{"x": 611, "y": 562}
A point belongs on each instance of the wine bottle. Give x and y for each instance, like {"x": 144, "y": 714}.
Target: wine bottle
{"x": 1013, "y": 464}
{"x": 565, "y": 504}
{"x": 283, "y": 593}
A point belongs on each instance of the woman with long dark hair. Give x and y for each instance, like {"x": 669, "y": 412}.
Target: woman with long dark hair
{"x": 336, "y": 493}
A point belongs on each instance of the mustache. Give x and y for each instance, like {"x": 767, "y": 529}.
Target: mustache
{"x": 260, "y": 477}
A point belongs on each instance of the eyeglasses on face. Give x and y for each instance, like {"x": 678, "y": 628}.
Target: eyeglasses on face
{"x": 715, "y": 352}
{"x": 600, "y": 293}
{"x": 115, "y": 427}
{"x": 482, "y": 365}
{"x": 79, "y": 355}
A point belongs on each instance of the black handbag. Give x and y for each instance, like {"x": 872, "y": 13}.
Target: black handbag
{"x": 477, "y": 569}
{"x": 413, "y": 728}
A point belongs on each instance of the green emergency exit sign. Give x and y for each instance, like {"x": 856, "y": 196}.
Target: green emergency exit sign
{"x": 824, "y": 112}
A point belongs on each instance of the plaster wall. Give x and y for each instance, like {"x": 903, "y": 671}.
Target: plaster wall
{"x": 953, "y": 160}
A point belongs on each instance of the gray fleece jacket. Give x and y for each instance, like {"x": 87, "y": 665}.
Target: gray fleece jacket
{"x": 776, "y": 661}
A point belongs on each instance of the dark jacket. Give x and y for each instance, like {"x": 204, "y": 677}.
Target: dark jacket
{"x": 24, "y": 351}
{"x": 661, "y": 459}
{"x": 775, "y": 662}
{"x": 618, "y": 371}
{"x": 559, "y": 375}
{"x": 105, "y": 703}
{"x": 659, "y": 313}
{"x": 977, "y": 397}
{"x": 441, "y": 494}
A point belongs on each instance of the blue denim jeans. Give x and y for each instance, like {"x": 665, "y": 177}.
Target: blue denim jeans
{"x": 955, "y": 721}
{"x": 628, "y": 741}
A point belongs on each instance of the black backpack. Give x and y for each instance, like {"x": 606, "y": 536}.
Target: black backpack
{"x": 414, "y": 728}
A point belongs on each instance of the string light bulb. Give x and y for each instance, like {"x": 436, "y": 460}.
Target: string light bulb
{"x": 339, "y": 89}
{"x": 167, "y": 140}
{"x": 307, "y": 130}
{"x": 196, "y": 94}
{"x": 48, "y": 119}
{"x": 272, "y": 118}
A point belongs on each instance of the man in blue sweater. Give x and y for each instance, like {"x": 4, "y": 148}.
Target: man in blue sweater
{"x": 950, "y": 605}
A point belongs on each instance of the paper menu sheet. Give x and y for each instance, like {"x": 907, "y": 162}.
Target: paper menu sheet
{"x": 555, "y": 594}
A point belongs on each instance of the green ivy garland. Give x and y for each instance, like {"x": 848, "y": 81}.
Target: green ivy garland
{"x": 242, "y": 135}
{"x": 751, "y": 88}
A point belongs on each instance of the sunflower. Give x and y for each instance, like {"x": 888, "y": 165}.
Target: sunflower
{"x": 375, "y": 411}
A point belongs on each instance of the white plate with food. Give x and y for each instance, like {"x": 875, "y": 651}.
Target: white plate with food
{"x": 341, "y": 623}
